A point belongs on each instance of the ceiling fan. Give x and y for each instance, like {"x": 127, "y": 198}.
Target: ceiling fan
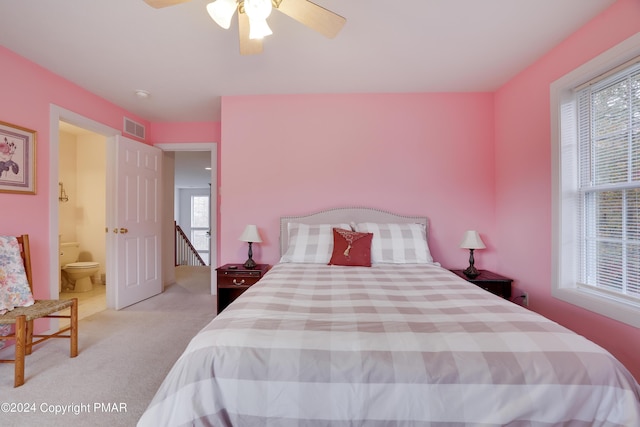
{"x": 252, "y": 18}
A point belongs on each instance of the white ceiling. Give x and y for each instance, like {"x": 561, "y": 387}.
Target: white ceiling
{"x": 187, "y": 62}
{"x": 190, "y": 169}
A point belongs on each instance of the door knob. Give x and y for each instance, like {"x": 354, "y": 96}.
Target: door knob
{"x": 123, "y": 231}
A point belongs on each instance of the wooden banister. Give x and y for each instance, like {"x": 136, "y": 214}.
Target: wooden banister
{"x": 185, "y": 253}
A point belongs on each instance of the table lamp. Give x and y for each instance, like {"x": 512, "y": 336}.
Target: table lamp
{"x": 471, "y": 241}
{"x": 250, "y": 235}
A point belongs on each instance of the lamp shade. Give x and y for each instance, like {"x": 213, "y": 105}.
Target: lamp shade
{"x": 258, "y": 11}
{"x": 222, "y": 11}
{"x": 472, "y": 240}
{"x": 250, "y": 234}
{"x": 259, "y": 29}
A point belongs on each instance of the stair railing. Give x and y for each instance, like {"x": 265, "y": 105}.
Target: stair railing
{"x": 185, "y": 253}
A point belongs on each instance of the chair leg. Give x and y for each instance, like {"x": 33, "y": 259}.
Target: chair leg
{"x": 73, "y": 332}
{"x": 29, "y": 338}
{"x": 21, "y": 338}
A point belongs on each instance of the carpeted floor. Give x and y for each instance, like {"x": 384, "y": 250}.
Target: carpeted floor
{"x": 124, "y": 356}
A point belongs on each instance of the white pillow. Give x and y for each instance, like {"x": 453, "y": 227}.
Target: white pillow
{"x": 310, "y": 243}
{"x": 397, "y": 243}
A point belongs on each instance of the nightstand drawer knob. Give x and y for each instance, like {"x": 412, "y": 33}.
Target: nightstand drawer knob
{"x": 235, "y": 282}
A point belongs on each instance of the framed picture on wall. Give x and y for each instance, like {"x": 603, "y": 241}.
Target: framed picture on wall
{"x": 17, "y": 159}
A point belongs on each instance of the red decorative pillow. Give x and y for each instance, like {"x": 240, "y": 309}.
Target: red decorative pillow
{"x": 351, "y": 248}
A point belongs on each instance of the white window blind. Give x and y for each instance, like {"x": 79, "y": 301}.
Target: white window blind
{"x": 609, "y": 184}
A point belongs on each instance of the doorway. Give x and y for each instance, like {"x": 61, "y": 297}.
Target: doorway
{"x": 184, "y": 171}
{"x": 57, "y": 116}
{"x": 82, "y": 214}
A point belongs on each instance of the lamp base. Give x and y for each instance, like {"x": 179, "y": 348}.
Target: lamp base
{"x": 250, "y": 263}
{"x": 471, "y": 272}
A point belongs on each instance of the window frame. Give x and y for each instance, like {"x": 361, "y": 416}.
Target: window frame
{"x": 565, "y": 203}
{"x": 205, "y": 254}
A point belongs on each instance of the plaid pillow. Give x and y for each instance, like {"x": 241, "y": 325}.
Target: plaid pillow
{"x": 397, "y": 243}
{"x": 310, "y": 243}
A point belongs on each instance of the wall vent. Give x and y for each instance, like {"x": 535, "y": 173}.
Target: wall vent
{"x": 133, "y": 128}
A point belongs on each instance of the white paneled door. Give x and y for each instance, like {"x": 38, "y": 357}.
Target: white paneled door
{"x": 137, "y": 225}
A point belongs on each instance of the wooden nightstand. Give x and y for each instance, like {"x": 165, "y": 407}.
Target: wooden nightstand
{"x": 234, "y": 279}
{"x": 489, "y": 281}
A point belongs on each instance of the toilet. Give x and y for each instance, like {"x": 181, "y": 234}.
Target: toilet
{"x": 76, "y": 276}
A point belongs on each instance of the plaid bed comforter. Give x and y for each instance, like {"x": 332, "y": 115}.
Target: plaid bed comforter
{"x": 410, "y": 345}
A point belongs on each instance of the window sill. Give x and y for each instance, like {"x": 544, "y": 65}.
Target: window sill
{"x": 603, "y": 305}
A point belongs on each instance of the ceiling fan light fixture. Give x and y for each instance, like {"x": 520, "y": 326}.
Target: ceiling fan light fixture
{"x": 221, "y": 11}
{"x": 258, "y": 11}
{"x": 259, "y": 29}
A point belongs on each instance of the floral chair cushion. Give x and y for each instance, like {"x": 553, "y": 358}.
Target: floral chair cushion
{"x": 14, "y": 287}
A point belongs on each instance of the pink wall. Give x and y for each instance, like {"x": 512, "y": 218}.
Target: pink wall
{"x": 27, "y": 92}
{"x": 184, "y": 132}
{"x": 414, "y": 154}
{"x": 523, "y": 178}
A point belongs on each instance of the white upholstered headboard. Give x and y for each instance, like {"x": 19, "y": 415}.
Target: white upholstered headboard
{"x": 347, "y": 216}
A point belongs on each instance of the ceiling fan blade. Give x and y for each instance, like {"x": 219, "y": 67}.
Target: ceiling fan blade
{"x": 313, "y": 16}
{"x": 247, "y": 45}
{"x": 163, "y": 3}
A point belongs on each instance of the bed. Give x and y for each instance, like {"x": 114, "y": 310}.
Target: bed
{"x": 402, "y": 342}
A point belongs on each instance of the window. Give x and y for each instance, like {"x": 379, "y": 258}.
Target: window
{"x": 609, "y": 183}
{"x": 200, "y": 231}
{"x": 596, "y": 176}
